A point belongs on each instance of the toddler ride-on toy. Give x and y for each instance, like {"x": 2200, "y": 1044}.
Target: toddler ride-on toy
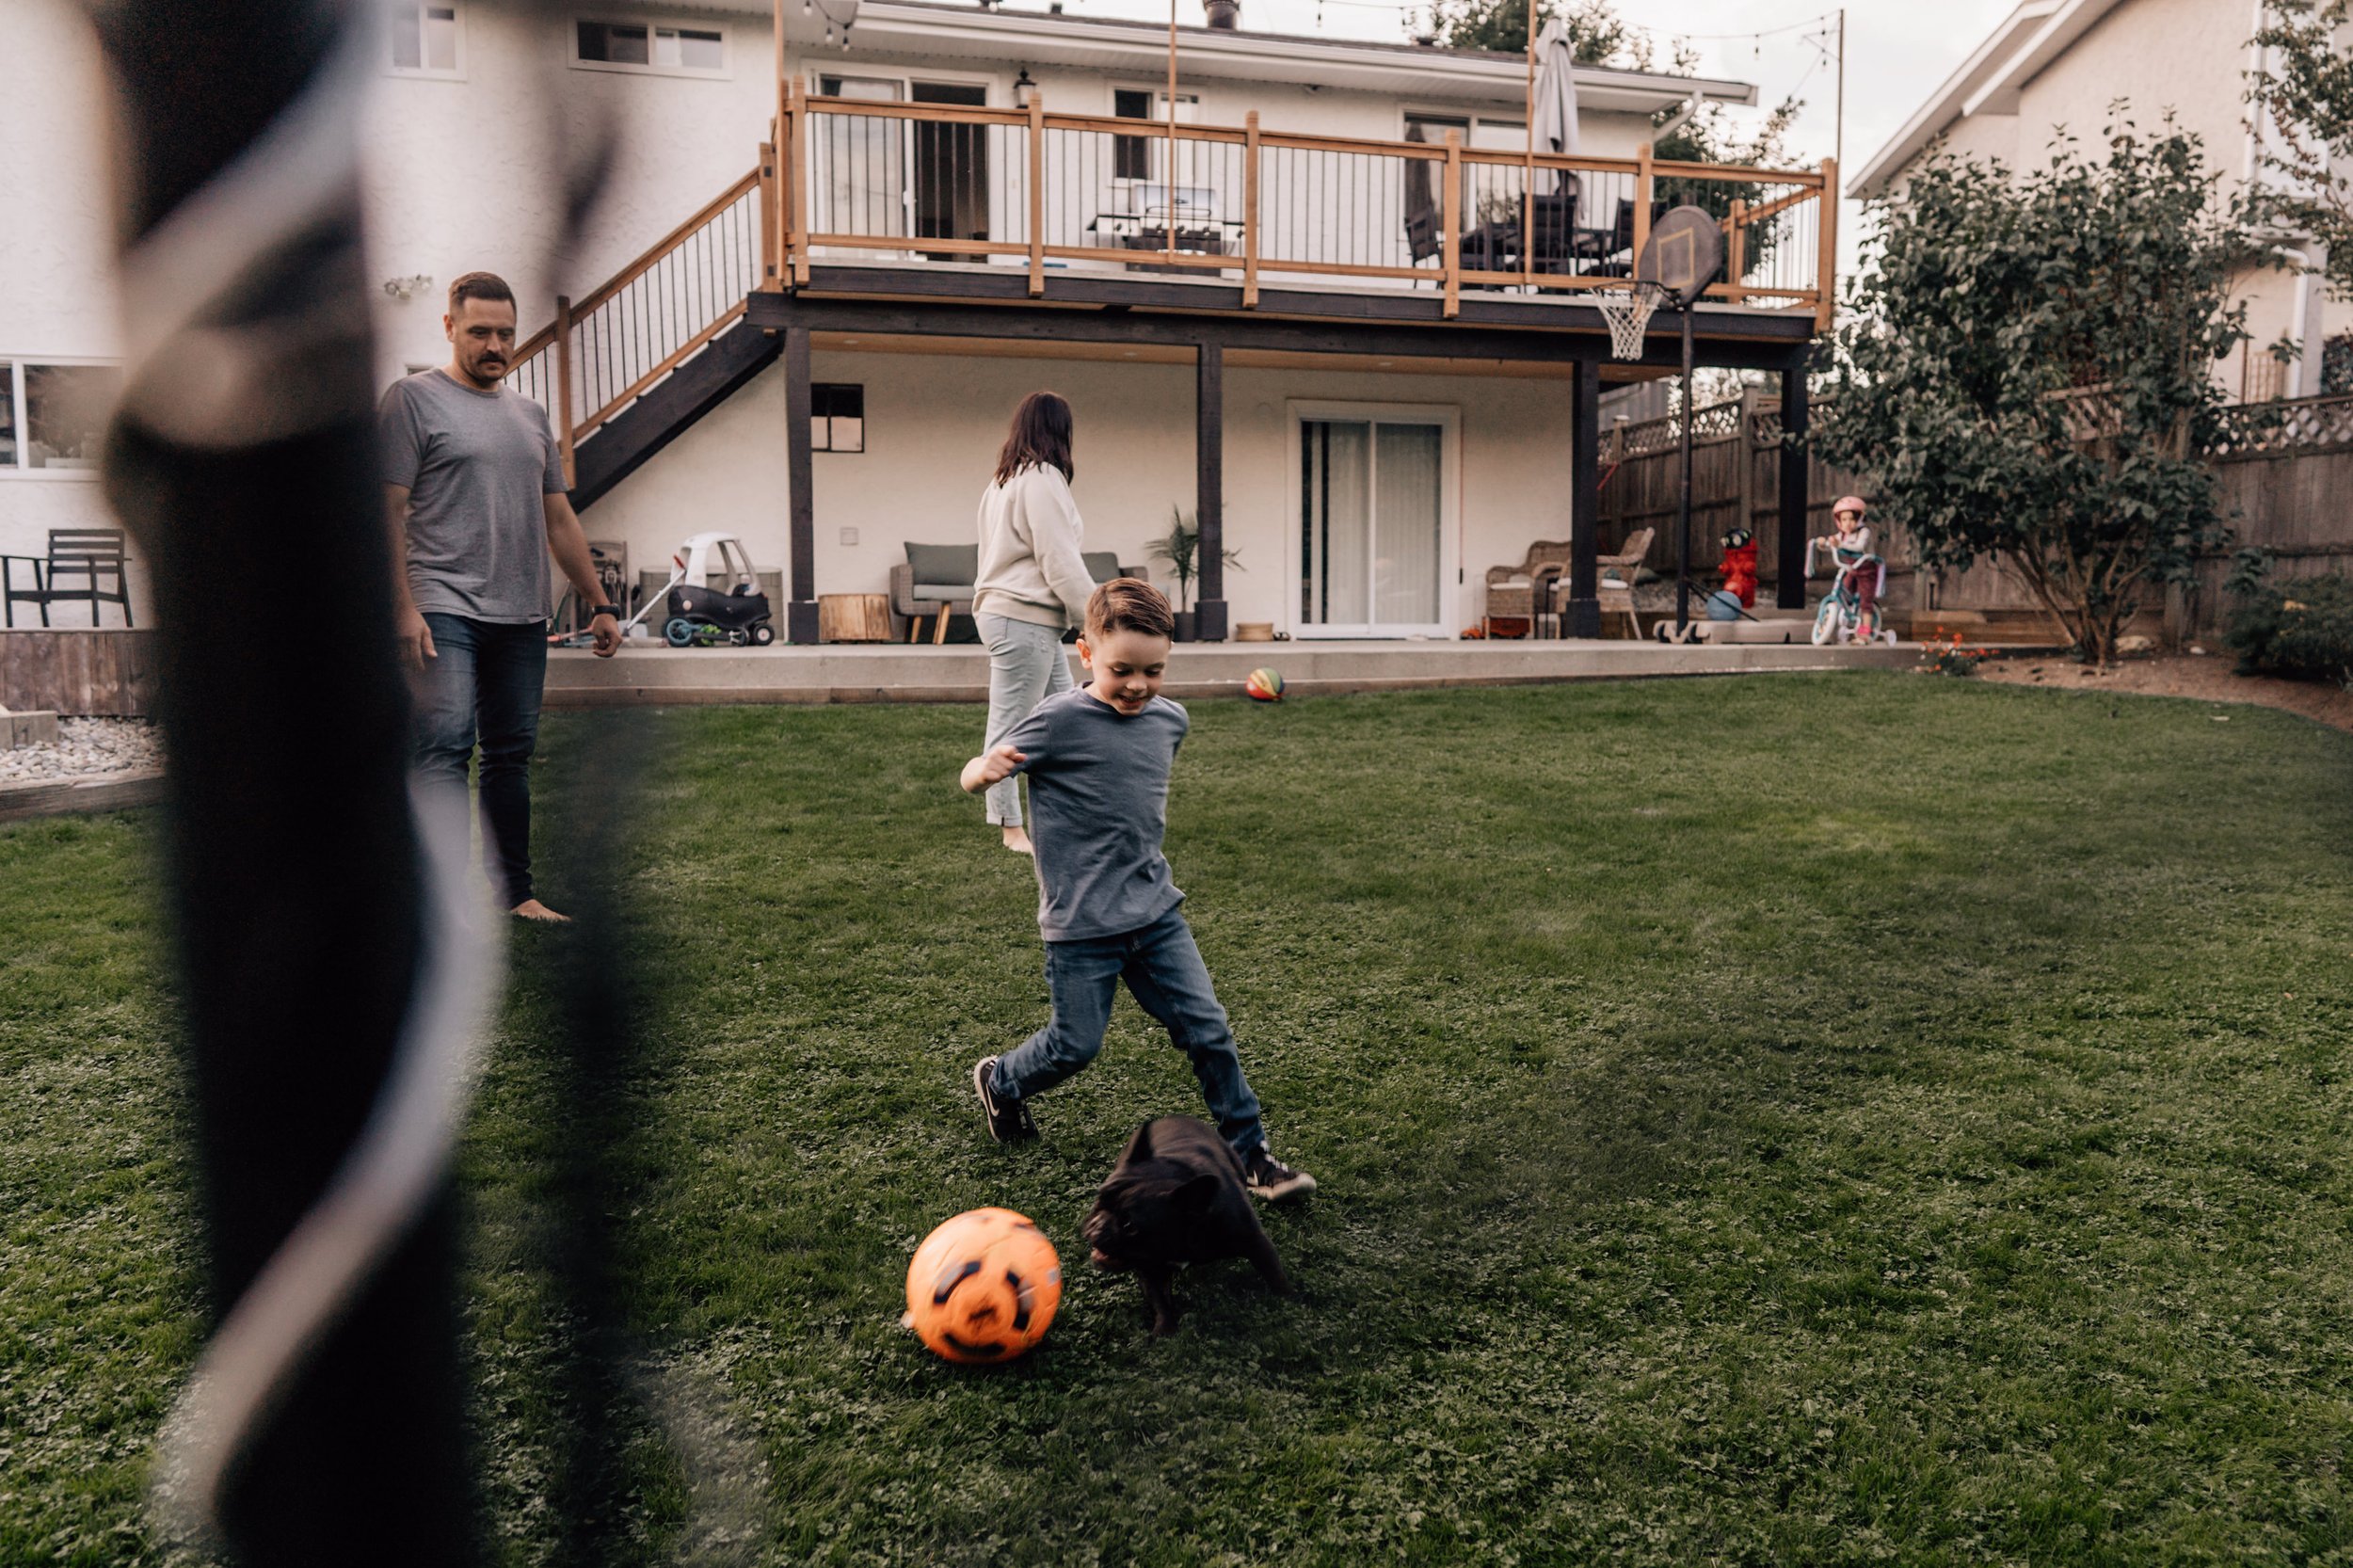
{"x": 700, "y": 616}
{"x": 1842, "y": 617}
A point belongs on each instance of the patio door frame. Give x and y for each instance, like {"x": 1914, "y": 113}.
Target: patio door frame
{"x": 1447, "y": 417}
{"x": 910, "y": 244}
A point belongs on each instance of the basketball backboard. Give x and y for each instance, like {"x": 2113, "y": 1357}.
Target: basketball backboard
{"x": 1684, "y": 253}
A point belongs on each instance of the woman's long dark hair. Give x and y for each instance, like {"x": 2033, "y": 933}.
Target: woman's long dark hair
{"x": 1040, "y": 435}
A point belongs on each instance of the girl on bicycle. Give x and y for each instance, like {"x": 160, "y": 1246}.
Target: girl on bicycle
{"x": 1851, "y": 547}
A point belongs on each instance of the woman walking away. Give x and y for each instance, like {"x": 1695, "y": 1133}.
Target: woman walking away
{"x": 1032, "y": 586}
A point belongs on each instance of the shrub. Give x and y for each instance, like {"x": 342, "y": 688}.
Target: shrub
{"x": 2302, "y": 629}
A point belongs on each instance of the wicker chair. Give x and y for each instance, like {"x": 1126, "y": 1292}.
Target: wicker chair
{"x": 1617, "y": 574}
{"x": 1511, "y": 590}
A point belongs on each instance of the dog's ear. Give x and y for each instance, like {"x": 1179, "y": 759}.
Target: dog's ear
{"x": 1140, "y": 1146}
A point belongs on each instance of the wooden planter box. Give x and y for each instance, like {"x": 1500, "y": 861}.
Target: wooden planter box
{"x": 80, "y": 673}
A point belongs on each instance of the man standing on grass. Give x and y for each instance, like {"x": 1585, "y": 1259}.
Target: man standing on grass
{"x": 474, "y": 484}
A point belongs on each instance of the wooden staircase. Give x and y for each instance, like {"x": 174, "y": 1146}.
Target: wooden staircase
{"x": 635, "y": 362}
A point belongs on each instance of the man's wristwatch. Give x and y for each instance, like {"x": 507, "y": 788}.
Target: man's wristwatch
{"x": 612, "y": 610}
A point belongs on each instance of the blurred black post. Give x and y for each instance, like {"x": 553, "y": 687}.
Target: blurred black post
{"x": 294, "y": 871}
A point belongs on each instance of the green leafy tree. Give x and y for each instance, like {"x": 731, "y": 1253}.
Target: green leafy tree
{"x": 2306, "y": 92}
{"x": 2027, "y": 368}
{"x": 1595, "y": 31}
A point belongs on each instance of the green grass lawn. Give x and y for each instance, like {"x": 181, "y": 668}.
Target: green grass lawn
{"x": 1797, "y": 1119}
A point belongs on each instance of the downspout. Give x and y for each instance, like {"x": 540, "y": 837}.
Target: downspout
{"x": 1691, "y": 107}
{"x": 2305, "y": 379}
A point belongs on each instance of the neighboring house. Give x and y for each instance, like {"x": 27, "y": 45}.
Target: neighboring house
{"x": 2068, "y": 64}
{"x": 1355, "y": 352}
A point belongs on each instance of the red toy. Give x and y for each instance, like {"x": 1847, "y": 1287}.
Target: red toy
{"x": 1739, "y": 567}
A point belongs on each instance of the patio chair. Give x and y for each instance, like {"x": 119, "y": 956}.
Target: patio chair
{"x": 1422, "y": 238}
{"x": 1511, "y": 590}
{"x": 1617, "y": 576}
{"x": 79, "y": 561}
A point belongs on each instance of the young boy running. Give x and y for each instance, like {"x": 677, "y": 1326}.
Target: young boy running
{"x": 1098, "y": 761}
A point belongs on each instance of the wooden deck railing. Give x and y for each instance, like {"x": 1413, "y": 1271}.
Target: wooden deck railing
{"x": 1035, "y": 189}
{"x": 1029, "y": 188}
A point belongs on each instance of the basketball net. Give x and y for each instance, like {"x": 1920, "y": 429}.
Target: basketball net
{"x": 1627, "y": 313}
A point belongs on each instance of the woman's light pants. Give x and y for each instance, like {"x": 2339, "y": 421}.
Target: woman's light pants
{"x": 1026, "y": 665}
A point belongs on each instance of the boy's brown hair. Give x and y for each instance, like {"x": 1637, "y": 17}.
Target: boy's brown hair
{"x": 1124, "y": 604}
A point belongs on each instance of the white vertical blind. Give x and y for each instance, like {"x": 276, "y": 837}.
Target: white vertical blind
{"x": 1339, "y": 504}
{"x": 1405, "y": 525}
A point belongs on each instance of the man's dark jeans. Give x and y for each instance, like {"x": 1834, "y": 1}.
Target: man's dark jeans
{"x": 485, "y": 679}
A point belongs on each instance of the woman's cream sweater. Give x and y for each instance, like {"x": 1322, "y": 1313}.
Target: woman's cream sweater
{"x": 1030, "y": 541}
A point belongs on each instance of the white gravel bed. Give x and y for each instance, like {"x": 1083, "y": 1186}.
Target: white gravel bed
{"x": 86, "y": 746}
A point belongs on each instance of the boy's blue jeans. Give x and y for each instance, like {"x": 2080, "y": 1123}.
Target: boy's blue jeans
{"x": 1164, "y": 973}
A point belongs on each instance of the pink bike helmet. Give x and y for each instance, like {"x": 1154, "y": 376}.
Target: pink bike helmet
{"x": 1847, "y": 503}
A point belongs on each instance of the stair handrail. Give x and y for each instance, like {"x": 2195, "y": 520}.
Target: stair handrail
{"x": 534, "y": 374}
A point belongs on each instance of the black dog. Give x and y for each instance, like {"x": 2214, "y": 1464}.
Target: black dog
{"x": 1175, "y": 1197}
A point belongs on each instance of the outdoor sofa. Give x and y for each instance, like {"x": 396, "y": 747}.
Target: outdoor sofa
{"x": 935, "y": 580}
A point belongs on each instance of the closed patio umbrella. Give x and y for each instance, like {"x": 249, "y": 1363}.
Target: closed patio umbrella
{"x": 1553, "y": 115}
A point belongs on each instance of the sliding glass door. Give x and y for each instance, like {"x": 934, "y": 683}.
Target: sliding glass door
{"x": 1372, "y": 521}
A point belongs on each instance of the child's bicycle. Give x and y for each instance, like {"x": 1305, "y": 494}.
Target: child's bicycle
{"x": 1842, "y": 617}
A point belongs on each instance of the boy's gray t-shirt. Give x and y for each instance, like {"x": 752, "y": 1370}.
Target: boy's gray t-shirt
{"x": 1099, "y": 804}
{"x": 475, "y": 465}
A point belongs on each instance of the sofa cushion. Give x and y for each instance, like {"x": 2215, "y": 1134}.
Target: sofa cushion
{"x": 945, "y": 562}
{"x": 942, "y": 592}
{"x": 1102, "y": 564}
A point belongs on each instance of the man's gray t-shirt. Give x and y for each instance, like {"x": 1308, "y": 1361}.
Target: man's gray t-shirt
{"x": 475, "y": 465}
{"x": 1098, "y": 805}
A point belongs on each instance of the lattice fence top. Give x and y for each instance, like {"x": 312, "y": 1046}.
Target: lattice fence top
{"x": 2259, "y": 429}
{"x": 2248, "y": 429}
{"x": 1712, "y": 422}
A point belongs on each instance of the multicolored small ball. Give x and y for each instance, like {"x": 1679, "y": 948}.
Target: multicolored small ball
{"x": 983, "y": 1287}
{"x": 1264, "y": 686}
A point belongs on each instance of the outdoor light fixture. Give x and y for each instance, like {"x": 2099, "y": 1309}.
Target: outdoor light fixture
{"x": 405, "y": 288}
{"x": 1024, "y": 89}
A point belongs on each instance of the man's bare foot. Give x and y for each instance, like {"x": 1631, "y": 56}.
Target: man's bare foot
{"x": 532, "y": 909}
{"x": 1019, "y": 841}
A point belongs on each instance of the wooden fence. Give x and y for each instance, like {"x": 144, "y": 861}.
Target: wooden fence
{"x": 2281, "y": 474}
{"x": 85, "y": 672}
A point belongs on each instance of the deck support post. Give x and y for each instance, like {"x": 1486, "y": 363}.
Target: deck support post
{"x": 1584, "y": 608}
{"x": 1210, "y": 487}
{"x": 1796, "y": 466}
{"x": 801, "y": 592}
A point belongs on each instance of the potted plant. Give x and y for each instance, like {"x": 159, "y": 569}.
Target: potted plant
{"x": 1181, "y": 549}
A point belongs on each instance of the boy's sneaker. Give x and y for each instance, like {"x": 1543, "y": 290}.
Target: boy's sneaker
{"x": 1008, "y": 1120}
{"x": 1269, "y": 1179}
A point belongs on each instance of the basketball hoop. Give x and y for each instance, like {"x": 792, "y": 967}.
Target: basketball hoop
{"x": 1626, "y": 312}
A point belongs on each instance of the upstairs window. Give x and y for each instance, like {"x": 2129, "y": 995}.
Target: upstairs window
{"x": 837, "y": 417}
{"x": 1139, "y": 157}
{"x": 53, "y": 418}
{"x": 426, "y": 39}
{"x": 653, "y": 47}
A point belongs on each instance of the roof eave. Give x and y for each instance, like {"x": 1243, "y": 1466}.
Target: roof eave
{"x": 2026, "y": 41}
{"x": 1037, "y": 38}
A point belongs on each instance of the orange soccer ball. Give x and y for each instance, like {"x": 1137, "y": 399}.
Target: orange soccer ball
{"x": 983, "y": 1287}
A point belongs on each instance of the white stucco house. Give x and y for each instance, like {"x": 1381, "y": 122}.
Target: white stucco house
{"x": 1326, "y": 297}
{"x": 2069, "y": 63}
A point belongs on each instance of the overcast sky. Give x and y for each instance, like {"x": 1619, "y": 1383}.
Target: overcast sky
{"x": 1898, "y": 52}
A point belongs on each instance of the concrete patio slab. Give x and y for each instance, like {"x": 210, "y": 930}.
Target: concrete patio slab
{"x": 661, "y": 675}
